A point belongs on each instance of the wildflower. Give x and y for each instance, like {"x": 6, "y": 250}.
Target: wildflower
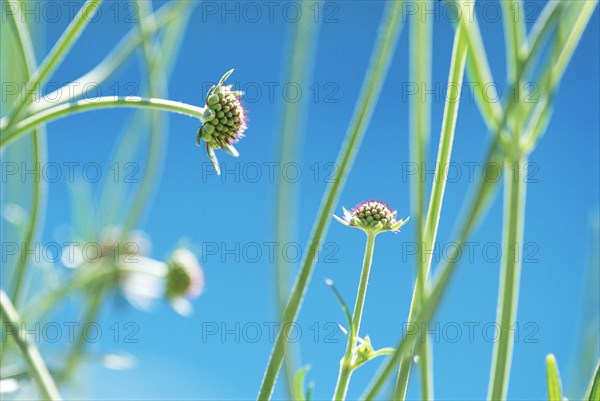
{"x": 141, "y": 279}
{"x": 372, "y": 217}
{"x": 224, "y": 120}
{"x": 184, "y": 280}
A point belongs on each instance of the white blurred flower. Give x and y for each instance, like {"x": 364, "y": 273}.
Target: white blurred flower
{"x": 143, "y": 283}
{"x": 185, "y": 280}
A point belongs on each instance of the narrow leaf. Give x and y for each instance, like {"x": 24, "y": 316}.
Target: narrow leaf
{"x": 553, "y": 378}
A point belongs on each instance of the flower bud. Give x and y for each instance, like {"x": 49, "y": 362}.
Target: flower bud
{"x": 224, "y": 120}
{"x": 372, "y": 216}
{"x": 184, "y": 275}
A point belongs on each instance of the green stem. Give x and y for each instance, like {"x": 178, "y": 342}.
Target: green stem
{"x": 56, "y": 112}
{"x": 379, "y": 66}
{"x": 346, "y": 363}
{"x": 420, "y": 52}
{"x": 514, "y": 35}
{"x": 480, "y": 199}
{"x": 455, "y": 79}
{"x": 292, "y": 128}
{"x": 514, "y": 214}
{"x": 37, "y": 206}
{"x": 27, "y": 55}
{"x": 111, "y": 63}
{"x": 56, "y": 55}
{"x": 479, "y": 68}
{"x": 32, "y": 355}
{"x": 156, "y": 88}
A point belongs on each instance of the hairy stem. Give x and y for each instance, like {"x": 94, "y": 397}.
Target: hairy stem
{"x": 346, "y": 363}
{"x": 52, "y": 113}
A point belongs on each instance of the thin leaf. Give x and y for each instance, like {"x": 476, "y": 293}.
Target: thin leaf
{"x": 343, "y": 304}
{"x": 299, "y": 385}
{"x": 593, "y": 393}
{"x": 553, "y": 379}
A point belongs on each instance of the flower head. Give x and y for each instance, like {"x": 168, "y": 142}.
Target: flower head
{"x": 184, "y": 280}
{"x": 372, "y": 217}
{"x": 224, "y": 120}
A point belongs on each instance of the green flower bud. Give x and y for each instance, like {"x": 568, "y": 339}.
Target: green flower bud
{"x": 224, "y": 120}
{"x": 372, "y": 216}
{"x": 184, "y": 275}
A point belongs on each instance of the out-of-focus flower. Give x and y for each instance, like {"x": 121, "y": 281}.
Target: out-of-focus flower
{"x": 141, "y": 279}
{"x": 372, "y": 217}
{"x": 224, "y": 120}
{"x": 184, "y": 280}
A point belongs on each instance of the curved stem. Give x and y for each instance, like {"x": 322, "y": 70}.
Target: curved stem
{"x": 157, "y": 88}
{"x": 56, "y": 55}
{"x": 42, "y": 376}
{"x": 111, "y": 63}
{"x": 27, "y": 55}
{"x": 37, "y": 207}
{"x": 56, "y": 112}
{"x": 379, "y": 66}
{"x": 346, "y": 364}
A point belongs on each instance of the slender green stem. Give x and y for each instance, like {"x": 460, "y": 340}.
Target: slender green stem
{"x": 113, "y": 61}
{"x": 56, "y": 112}
{"x": 479, "y": 201}
{"x": 346, "y": 363}
{"x": 479, "y": 68}
{"x": 37, "y": 210}
{"x": 514, "y": 214}
{"x": 27, "y": 55}
{"x": 55, "y": 57}
{"x": 300, "y": 61}
{"x": 156, "y": 88}
{"x": 420, "y": 71}
{"x": 421, "y": 49}
{"x": 178, "y": 15}
{"x": 40, "y": 372}
{"x": 379, "y": 65}
{"x": 514, "y": 34}
{"x": 455, "y": 79}
{"x": 555, "y": 71}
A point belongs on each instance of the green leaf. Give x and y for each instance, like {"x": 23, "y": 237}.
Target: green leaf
{"x": 213, "y": 158}
{"x": 594, "y": 390}
{"x": 224, "y": 78}
{"x": 299, "y": 385}
{"x": 330, "y": 284}
{"x": 553, "y": 378}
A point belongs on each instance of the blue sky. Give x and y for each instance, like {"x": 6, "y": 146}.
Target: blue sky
{"x": 179, "y": 359}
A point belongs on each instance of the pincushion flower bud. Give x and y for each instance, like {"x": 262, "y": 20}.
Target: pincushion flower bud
{"x": 224, "y": 120}
{"x": 184, "y": 279}
{"x": 372, "y": 217}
